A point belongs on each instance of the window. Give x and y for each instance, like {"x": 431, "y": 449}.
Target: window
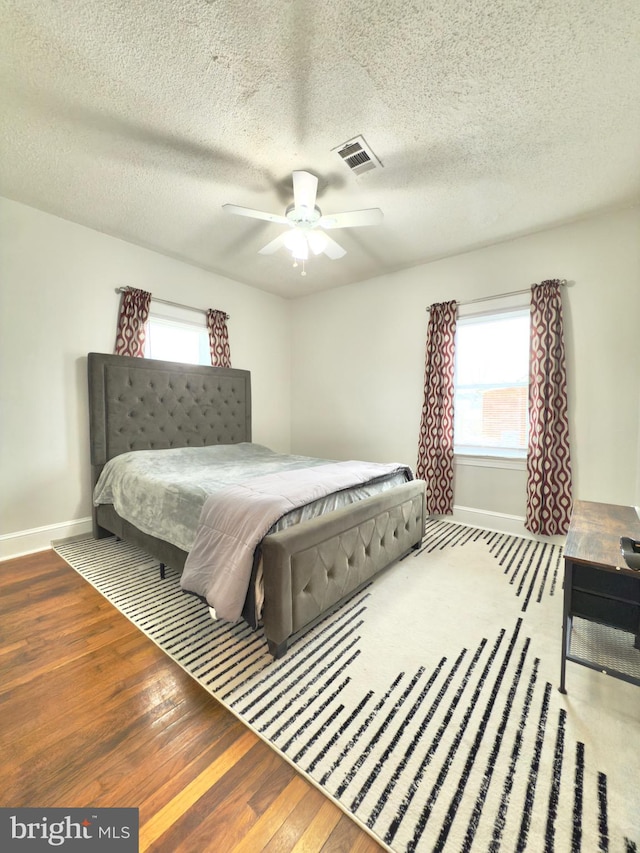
{"x": 177, "y": 340}
{"x": 492, "y": 384}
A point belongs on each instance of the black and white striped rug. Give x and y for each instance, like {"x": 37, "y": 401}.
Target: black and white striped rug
{"x": 427, "y": 706}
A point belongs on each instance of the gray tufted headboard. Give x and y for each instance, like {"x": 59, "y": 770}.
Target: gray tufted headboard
{"x": 144, "y": 404}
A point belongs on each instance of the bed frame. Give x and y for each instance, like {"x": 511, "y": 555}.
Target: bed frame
{"x": 142, "y": 404}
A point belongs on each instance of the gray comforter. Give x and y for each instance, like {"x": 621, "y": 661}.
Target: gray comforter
{"x": 234, "y": 521}
{"x": 162, "y": 492}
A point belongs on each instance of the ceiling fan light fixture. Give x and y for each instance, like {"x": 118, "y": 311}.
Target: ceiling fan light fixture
{"x": 317, "y": 242}
{"x": 296, "y": 242}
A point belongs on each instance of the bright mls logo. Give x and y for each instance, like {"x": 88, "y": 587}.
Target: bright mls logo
{"x": 83, "y": 830}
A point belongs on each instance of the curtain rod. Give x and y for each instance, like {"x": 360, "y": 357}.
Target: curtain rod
{"x": 172, "y": 304}
{"x": 563, "y": 283}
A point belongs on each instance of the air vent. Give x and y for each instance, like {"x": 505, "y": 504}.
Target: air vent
{"x": 358, "y": 156}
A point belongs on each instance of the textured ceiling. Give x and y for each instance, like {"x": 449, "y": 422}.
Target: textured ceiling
{"x": 141, "y": 118}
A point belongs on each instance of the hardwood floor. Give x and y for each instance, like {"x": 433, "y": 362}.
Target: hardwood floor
{"x": 93, "y": 713}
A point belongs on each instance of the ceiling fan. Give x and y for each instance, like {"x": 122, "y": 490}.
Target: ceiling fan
{"x": 306, "y": 223}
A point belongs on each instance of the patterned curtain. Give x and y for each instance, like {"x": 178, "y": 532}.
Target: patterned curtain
{"x": 218, "y": 338}
{"x": 548, "y": 459}
{"x": 132, "y": 322}
{"x": 435, "y": 449}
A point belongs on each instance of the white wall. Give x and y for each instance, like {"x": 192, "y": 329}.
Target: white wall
{"x": 358, "y": 360}
{"x": 336, "y": 374}
{"x": 57, "y": 303}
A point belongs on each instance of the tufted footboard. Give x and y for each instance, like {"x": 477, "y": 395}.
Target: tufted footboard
{"x": 310, "y": 567}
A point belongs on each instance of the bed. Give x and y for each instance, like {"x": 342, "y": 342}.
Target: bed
{"x": 305, "y": 569}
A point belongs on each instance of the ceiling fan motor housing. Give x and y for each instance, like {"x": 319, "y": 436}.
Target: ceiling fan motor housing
{"x": 303, "y": 216}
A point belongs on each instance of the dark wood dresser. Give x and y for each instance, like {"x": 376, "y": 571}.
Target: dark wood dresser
{"x": 599, "y": 587}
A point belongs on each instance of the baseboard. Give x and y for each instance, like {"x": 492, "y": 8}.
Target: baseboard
{"x": 40, "y": 538}
{"x": 499, "y": 521}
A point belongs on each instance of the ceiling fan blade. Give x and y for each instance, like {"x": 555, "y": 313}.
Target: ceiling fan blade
{"x": 305, "y": 189}
{"x": 333, "y": 250}
{"x": 352, "y": 218}
{"x": 274, "y": 245}
{"x": 255, "y": 214}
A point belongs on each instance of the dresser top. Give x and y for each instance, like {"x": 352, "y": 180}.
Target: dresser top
{"x": 595, "y": 531}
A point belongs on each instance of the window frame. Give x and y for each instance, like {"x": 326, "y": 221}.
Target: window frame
{"x": 184, "y": 323}
{"x": 479, "y": 455}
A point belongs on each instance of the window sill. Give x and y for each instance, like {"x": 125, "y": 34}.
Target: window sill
{"x": 486, "y": 460}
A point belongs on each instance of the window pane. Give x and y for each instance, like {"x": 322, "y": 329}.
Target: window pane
{"x": 491, "y": 386}
{"x": 173, "y": 341}
{"x": 492, "y": 418}
{"x": 495, "y": 350}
